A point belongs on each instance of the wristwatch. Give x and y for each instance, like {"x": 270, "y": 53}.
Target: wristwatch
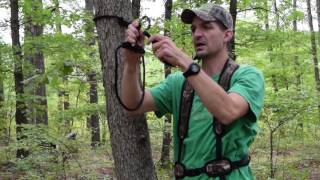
{"x": 193, "y": 69}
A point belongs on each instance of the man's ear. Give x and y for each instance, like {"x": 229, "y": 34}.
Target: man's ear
{"x": 228, "y": 34}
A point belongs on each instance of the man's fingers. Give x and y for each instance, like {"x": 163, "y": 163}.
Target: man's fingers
{"x": 156, "y": 38}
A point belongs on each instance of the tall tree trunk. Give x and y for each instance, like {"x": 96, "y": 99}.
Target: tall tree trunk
{"x": 129, "y": 135}
{"x": 3, "y": 128}
{"x": 267, "y": 26}
{"x": 136, "y": 9}
{"x": 37, "y": 87}
{"x": 296, "y": 57}
{"x": 232, "y": 43}
{"x": 20, "y": 114}
{"x": 63, "y": 93}
{"x": 92, "y": 78}
{"x": 166, "y": 139}
{"x": 318, "y": 16}
{"x": 276, "y": 11}
{"x": 314, "y": 55}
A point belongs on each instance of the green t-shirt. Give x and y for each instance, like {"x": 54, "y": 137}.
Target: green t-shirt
{"x": 200, "y": 144}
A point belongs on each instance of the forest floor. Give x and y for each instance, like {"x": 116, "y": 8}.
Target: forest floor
{"x": 293, "y": 159}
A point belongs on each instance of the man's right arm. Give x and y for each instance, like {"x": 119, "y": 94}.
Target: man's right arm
{"x": 131, "y": 92}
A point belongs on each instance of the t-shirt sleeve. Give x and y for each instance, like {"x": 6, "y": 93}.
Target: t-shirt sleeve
{"x": 249, "y": 84}
{"x": 162, "y": 96}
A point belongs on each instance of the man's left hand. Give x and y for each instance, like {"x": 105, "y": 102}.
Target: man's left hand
{"x": 167, "y": 51}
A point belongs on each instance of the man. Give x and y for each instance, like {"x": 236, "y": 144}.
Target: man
{"x": 237, "y": 109}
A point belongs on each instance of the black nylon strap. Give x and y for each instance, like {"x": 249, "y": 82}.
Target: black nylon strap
{"x": 234, "y": 165}
{"x": 121, "y": 20}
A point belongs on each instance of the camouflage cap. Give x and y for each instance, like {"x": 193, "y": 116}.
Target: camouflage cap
{"x": 208, "y": 12}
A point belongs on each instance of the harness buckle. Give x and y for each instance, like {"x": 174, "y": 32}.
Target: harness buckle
{"x": 178, "y": 170}
{"x": 217, "y": 168}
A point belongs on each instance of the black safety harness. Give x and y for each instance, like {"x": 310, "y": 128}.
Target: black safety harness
{"x": 221, "y": 166}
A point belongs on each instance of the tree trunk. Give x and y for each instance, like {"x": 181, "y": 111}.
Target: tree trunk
{"x": 276, "y": 11}
{"x": 136, "y": 9}
{"x": 267, "y": 26}
{"x": 232, "y": 43}
{"x": 166, "y": 139}
{"x": 20, "y": 114}
{"x": 3, "y": 120}
{"x": 63, "y": 94}
{"x": 37, "y": 87}
{"x": 296, "y": 57}
{"x": 129, "y": 135}
{"x": 318, "y": 16}
{"x": 92, "y": 79}
{"x": 314, "y": 55}
{"x": 272, "y": 170}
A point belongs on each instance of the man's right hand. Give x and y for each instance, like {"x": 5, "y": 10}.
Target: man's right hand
{"x": 134, "y": 36}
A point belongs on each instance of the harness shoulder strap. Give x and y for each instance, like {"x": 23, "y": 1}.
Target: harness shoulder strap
{"x": 187, "y": 94}
{"x": 224, "y": 81}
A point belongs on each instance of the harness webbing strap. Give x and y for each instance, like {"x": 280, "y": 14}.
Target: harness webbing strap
{"x": 224, "y": 81}
{"x": 183, "y": 124}
{"x": 121, "y": 20}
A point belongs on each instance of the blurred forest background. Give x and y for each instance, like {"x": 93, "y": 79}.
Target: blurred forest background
{"x": 59, "y": 118}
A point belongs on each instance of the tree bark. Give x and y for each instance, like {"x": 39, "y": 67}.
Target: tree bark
{"x": 296, "y": 57}
{"x": 3, "y": 127}
{"x": 20, "y": 115}
{"x": 314, "y": 55}
{"x": 267, "y": 26}
{"x": 63, "y": 94}
{"x": 166, "y": 139}
{"x": 129, "y": 135}
{"x": 37, "y": 87}
{"x": 92, "y": 79}
{"x": 318, "y": 16}
{"x": 136, "y": 9}
{"x": 232, "y": 43}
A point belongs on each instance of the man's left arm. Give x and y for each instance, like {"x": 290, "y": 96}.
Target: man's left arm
{"x": 229, "y": 106}
{"x": 226, "y": 107}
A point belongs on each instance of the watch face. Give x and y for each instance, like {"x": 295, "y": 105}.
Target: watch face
{"x": 195, "y": 68}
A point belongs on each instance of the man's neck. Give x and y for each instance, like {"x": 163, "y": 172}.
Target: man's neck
{"x": 214, "y": 64}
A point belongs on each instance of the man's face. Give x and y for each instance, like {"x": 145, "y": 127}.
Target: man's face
{"x": 208, "y": 38}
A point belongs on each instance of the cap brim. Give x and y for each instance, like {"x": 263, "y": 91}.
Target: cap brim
{"x": 188, "y": 15}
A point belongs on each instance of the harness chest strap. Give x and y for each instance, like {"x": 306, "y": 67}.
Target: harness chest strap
{"x": 220, "y": 166}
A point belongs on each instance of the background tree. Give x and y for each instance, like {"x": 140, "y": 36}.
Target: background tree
{"x": 92, "y": 76}
{"x": 37, "y": 109}
{"x": 166, "y": 139}
{"x": 20, "y": 114}
{"x": 314, "y": 54}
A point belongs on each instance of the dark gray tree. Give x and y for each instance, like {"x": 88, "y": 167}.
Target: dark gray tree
{"x": 92, "y": 77}
{"x": 314, "y": 54}
{"x": 20, "y": 114}
{"x": 166, "y": 139}
{"x": 129, "y": 135}
{"x": 296, "y": 57}
{"x": 38, "y": 108}
{"x": 232, "y": 43}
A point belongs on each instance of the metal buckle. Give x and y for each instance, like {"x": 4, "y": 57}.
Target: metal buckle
{"x": 178, "y": 170}
{"x": 218, "y": 168}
